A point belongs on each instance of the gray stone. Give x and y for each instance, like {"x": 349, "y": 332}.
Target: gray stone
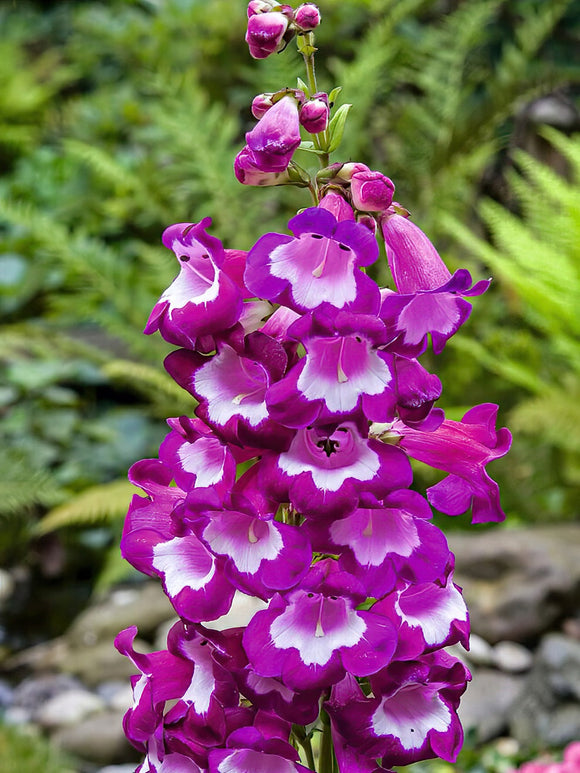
{"x": 35, "y": 691}
{"x": 549, "y": 710}
{"x": 512, "y": 657}
{"x": 480, "y": 653}
{"x": 145, "y": 606}
{"x": 68, "y": 708}
{"x": 518, "y": 583}
{"x": 117, "y": 769}
{"x": 488, "y": 701}
{"x": 98, "y": 739}
{"x": 92, "y": 664}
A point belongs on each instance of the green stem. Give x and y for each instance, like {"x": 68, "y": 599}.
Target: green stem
{"x": 326, "y": 762}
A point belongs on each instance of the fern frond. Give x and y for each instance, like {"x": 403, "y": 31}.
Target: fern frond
{"x": 104, "y": 503}
{"x": 103, "y": 164}
{"x": 153, "y": 383}
{"x": 557, "y": 412}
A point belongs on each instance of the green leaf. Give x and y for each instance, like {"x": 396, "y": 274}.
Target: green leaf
{"x": 336, "y": 127}
{"x": 303, "y": 87}
{"x": 99, "y": 503}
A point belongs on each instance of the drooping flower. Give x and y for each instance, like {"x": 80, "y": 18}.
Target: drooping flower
{"x": 265, "y": 32}
{"x": 371, "y": 191}
{"x": 276, "y": 136}
{"x": 462, "y": 448}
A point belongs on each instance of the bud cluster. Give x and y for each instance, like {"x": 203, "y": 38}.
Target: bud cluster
{"x": 314, "y": 593}
{"x": 271, "y": 26}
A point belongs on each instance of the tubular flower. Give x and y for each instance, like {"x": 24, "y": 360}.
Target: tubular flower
{"x": 313, "y": 589}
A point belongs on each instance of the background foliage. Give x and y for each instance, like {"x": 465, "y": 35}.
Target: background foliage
{"x": 118, "y": 119}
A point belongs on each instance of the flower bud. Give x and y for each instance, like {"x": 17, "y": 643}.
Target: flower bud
{"x": 276, "y": 136}
{"x": 248, "y": 173}
{"x": 261, "y": 104}
{"x": 265, "y": 34}
{"x": 368, "y": 221}
{"x": 346, "y": 171}
{"x": 414, "y": 262}
{"x": 371, "y": 191}
{"x": 260, "y": 6}
{"x": 314, "y": 114}
{"x": 307, "y": 16}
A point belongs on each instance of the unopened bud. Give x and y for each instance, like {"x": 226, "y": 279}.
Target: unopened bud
{"x": 368, "y": 221}
{"x": 314, "y": 114}
{"x": 371, "y": 191}
{"x": 307, "y": 16}
{"x": 276, "y": 136}
{"x": 265, "y": 34}
{"x": 347, "y": 170}
{"x": 261, "y": 104}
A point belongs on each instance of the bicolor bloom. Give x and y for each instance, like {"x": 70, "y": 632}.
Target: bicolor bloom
{"x": 203, "y": 299}
{"x": 313, "y": 635}
{"x": 326, "y": 468}
{"x": 319, "y": 264}
{"x": 231, "y": 388}
{"x": 463, "y": 449}
{"x": 413, "y": 712}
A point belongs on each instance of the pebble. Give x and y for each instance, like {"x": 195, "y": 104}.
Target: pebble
{"x": 512, "y": 657}
{"x": 480, "y": 652}
{"x": 68, "y": 708}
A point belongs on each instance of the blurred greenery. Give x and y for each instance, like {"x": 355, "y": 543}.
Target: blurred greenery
{"x": 24, "y": 750}
{"x": 118, "y": 119}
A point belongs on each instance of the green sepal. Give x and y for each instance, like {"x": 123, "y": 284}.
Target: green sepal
{"x": 333, "y": 96}
{"x": 336, "y": 127}
{"x": 308, "y": 146}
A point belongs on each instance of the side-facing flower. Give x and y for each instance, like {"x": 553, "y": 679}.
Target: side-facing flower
{"x": 203, "y": 300}
{"x": 462, "y": 448}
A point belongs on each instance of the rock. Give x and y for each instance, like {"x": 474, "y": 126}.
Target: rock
{"x": 512, "y": 657}
{"x": 548, "y": 713}
{"x": 6, "y": 694}
{"x": 34, "y": 692}
{"x": 6, "y": 585}
{"x": 160, "y": 640}
{"x": 99, "y": 739}
{"x": 480, "y": 653}
{"x": 68, "y": 708}
{"x": 518, "y": 583}
{"x": 117, "y": 769}
{"x": 116, "y": 694}
{"x": 90, "y": 663}
{"x": 145, "y": 606}
{"x": 487, "y": 703}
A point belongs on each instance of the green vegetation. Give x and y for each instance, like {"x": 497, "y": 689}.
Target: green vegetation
{"x": 24, "y": 750}
{"x": 118, "y": 119}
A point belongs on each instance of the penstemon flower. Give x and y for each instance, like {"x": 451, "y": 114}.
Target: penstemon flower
{"x": 285, "y": 502}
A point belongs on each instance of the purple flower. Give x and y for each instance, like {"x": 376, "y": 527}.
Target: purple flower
{"x": 311, "y": 636}
{"x": 156, "y": 543}
{"x": 371, "y": 191}
{"x": 412, "y": 714}
{"x": 462, "y": 448}
{"x": 381, "y": 542}
{"x": 265, "y": 33}
{"x": 326, "y": 468}
{"x": 314, "y": 114}
{"x": 341, "y": 373}
{"x": 249, "y": 750}
{"x": 428, "y": 616}
{"x": 248, "y": 172}
{"x": 276, "y": 135}
{"x": 414, "y": 262}
{"x": 318, "y": 265}
{"x": 202, "y": 300}
{"x": 197, "y": 457}
{"x": 231, "y": 387}
{"x": 440, "y": 312}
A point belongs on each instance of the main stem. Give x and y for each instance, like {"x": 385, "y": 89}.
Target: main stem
{"x": 307, "y": 49}
{"x": 326, "y": 761}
